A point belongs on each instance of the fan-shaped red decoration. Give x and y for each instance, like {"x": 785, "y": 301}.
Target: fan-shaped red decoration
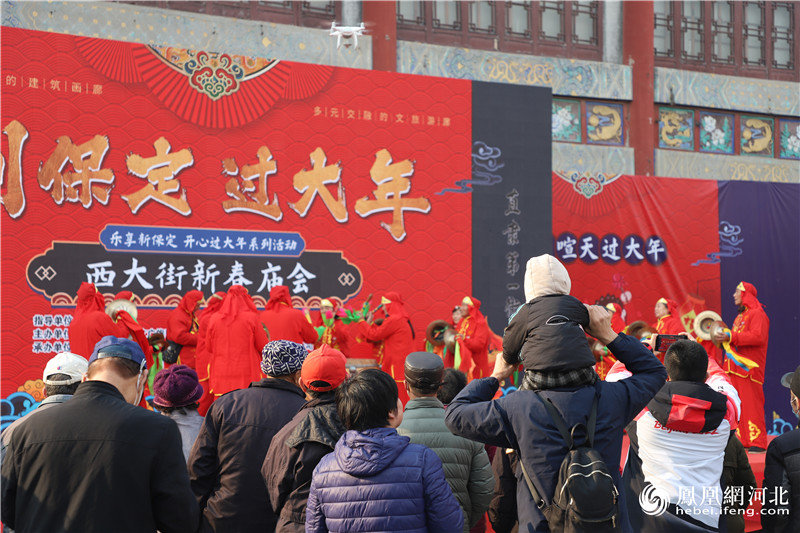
{"x": 605, "y": 201}
{"x": 251, "y": 99}
{"x": 306, "y": 80}
{"x": 111, "y": 58}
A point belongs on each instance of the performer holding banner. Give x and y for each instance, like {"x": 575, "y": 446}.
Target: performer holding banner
{"x": 745, "y": 348}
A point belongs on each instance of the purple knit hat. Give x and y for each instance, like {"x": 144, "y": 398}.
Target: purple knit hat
{"x": 176, "y": 386}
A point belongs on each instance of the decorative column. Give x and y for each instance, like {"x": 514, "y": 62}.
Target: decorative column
{"x": 637, "y": 52}
{"x": 381, "y": 21}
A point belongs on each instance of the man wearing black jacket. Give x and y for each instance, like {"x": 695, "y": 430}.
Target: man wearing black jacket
{"x": 239, "y": 426}
{"x": 99, "y": 463}
{"x": 312, "y": 434}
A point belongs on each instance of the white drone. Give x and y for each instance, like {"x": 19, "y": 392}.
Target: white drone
{"x": 346, "y": 33}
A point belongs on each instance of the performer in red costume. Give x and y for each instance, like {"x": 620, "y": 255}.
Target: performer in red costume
{"x": 669, "y": 321}
{"x": 124, "y": 295}
{"x": 134, "y": 330}
{"x": 604, "y": 359}
{"x": 90, "y": 323}
{"x": 331, "y": 329}
{"x": 283, "y": 321}
{"x": 235, "y": 339}
{"x": 748, "y": 338}
{"x": 395, "y": 334}
{"x": 473, "y": 339}
{"x": 182, "y": 326}
{"x": 202, "y": 355}
{"x": 617, "y": 322}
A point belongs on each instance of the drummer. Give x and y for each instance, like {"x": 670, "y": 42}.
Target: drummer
{"x": 440, "y": 337}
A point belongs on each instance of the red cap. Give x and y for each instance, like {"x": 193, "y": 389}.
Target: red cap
{"x": 324, "y": 364}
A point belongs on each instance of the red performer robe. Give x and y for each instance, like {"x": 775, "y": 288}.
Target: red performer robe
{"x": 90, "y": 323}
{"x": 182, "y": 326}
{"x": 357, "y": 343}
{"x": 669, "y": 325}
{"x": 202, "y": 355}
{"x": 749, "y": 338}
{"x": 397, "y": 337}
{"x": 284, "y": 322}
{"x": 474, "y": 341}
{"x": 334, "y": 333}
{"x": 235, "y": 339}
{"x": 617, "y": 322}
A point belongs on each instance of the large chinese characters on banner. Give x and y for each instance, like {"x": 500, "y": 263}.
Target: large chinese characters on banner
{"x": 162, "y": 170}
{"x": 632, "y": 240}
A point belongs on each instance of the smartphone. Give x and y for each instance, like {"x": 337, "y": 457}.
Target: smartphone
{"x": 663, "y": 342}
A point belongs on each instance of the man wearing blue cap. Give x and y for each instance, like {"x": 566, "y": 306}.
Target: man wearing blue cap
{"x": 98, "y": 462}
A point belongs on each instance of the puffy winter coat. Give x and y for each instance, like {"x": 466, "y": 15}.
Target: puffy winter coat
{"x": 377, "y": 480}
{"x": 545, "y": 334}
{"x": 466, "y": 465}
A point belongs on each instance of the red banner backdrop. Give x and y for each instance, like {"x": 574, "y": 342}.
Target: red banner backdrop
{"x": 241, "y": 161}
{"x": 633, "y": 240}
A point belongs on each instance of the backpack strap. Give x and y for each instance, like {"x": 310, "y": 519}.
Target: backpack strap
{"x": 540, "y": 503}
{"x": 557, "y": 419}
{"x": 590, "y": 425}
{"x": 562, "y": 428}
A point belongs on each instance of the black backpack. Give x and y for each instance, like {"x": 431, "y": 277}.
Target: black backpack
{"x": 585, "y": 498}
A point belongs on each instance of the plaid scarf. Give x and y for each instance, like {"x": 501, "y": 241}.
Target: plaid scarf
{"x": 536, "y": 380}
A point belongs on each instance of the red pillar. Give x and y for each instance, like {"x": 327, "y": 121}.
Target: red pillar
{"x": 637, "y": 52}
{"x": 380, "y": 17}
